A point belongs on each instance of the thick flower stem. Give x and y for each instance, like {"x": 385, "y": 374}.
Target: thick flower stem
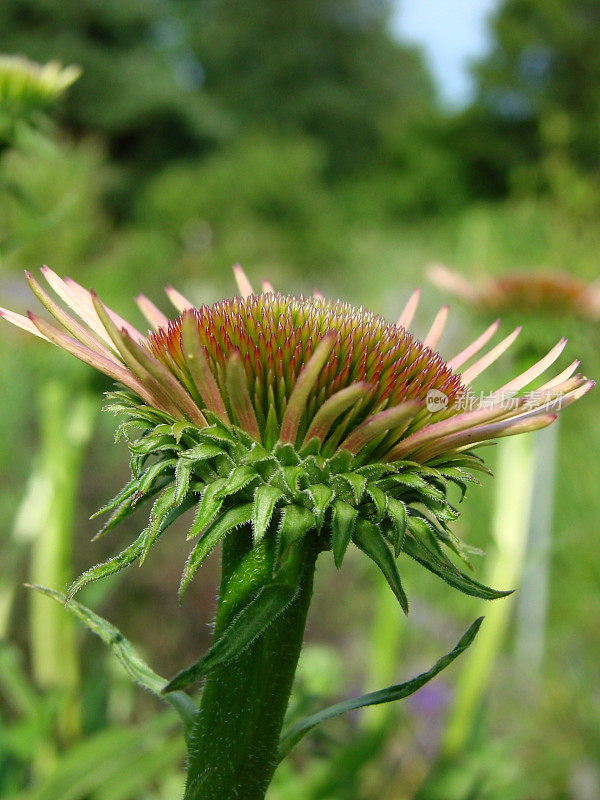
{"x": 233, "y": 752}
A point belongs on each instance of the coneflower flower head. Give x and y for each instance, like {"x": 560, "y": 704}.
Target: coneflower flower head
{"x": 299, "y": 417}
{"x": 27, "y": 86}
{"x": 548, "y": 301}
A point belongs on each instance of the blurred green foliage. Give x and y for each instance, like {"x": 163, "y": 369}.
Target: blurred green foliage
{"x": 308, "y": 144}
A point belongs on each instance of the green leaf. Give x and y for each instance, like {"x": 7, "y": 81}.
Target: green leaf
{"x": 210, "y": 538}
{"x": 265, "y": 500}
{"x": 238, "y": 479}
{"x": 449, "y": 572}
{"x": 342, "y": 526}
{"x": 296, "y": 732}
{"x": 247, "y": 626}
{"x": 379, "y": 498}
{"x": 396, "y": 511}
{"x": 368, "y": 538}
{"x": 183, "y": 473}
{"x": 128, "y": 555}
{"x": 124, "y": 651}
{"x": 356, "y": 482}
{"x": 208, "y": 507}
{"x": 124, "y": 494}
{"x": 202, "y": 452}
{"x": 321, "y": 496}
{"x": 152, "y": 473}
{"x": 296, "y": 522}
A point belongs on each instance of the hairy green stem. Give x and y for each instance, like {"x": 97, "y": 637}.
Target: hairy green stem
{"x": 233, "y": 750}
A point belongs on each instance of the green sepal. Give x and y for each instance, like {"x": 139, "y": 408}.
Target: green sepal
{"x": 296, "y": 732}
{"x": 210, "y": 538}
{"x": 247, "y": 626}
{"x": 343, "y": 518}
{"x": 352, "y": 480}
{"x": 379, "y": 499}
{"x": 446, "y": 570}
{"x": 396, "y": 513}
{"x": 321, "y": 497}
{"x": 367, "y": 537}
{"x": 124, "y": 651}
{"x": 126, "y": 556}
{"x": 296, "y": 522}
{"x": 124, "y": 494}
{"x": 340, "y": 462}
{"x": 208, "y": 507}
{"x": 148, "y": 445}
{"x": 146, "y": 481}
{"x": 183, "y": 474}
{"x": 265, "y": 500}
{"x": 202, "y": 452}
{"x": 239, "y": 478}
{"x": 286, "y": 454}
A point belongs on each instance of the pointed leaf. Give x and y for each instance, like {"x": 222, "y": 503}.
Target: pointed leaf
{"x": 454, "y": 577}
{"x": 296, "y": 522}
{"x": 208, "y": 507}
{"x": 202, "y": 451}
{"x": 210, "y": 538}
{"x": 321, "y": 496}
{"x": 249, "y": 624}
{"x": 355, "y": 482}
{"x": 124, "y": 651}
{"x": 265, "y": 500}
{"x": 379, "y": 499}
{"x": 396, "y": 511}
{"x": 342, "y": 527}
{"x": 296, "y": 732}
{"x": 367, "y": 537}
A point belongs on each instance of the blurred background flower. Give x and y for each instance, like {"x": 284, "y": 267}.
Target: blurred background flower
{"x": 318, "y": 147}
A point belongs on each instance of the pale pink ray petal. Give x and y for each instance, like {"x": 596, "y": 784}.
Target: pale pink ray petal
{"x": 317, "y": 294}
{"x": 485, "y": 361}
{"x": 119, "y": 321}
{"x": 178, "y": 300}
{"x": 152, "y": 314}
{"x": 474, "y": 347}
{"x": 267, "y": 287}
{"x": 527, "y": 426}
{"x": 454, "y": 424}
{"x": 306, "y": 380}
{"x": 564, "y": 401}
{"x": 81, "y": 304}
{"x": 71, "y": 325}
{"x": 519, "y": 423}
{"x": 408, "y": 313}
{"x": 562, "y": 376}
{"x": 437, "y": 328}
{"x": 138, "y": 369}
{"x": 197, "y": 363}
{"x": 166, "y": 380}
{"x": 111, "y": 368}
{"x": 379, "y": 423}
{"x": 242, "y": 281}
{"x": 22, "y": 322}
{"x": 453, "y": 282}
{"x": 239, "y": 396}
{"x": 334, "y": 406}
{"x": 534, "y": 371}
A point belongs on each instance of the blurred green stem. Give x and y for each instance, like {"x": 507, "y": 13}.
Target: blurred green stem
{"x": 512, "y": 507}
{"x": 533, "y": 596}
{"x": 66, "y": 427}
